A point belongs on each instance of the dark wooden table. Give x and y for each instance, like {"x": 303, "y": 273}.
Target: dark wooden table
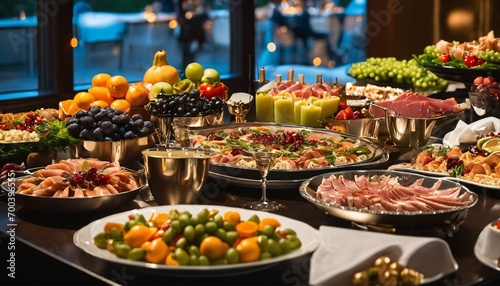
{"x": 45, "y": 252}
{"x": 45, "y": 242}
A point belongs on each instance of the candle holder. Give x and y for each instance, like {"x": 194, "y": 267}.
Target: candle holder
{"x": 239, "y": 105}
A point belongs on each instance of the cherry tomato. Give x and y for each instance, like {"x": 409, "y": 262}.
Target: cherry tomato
{"x": 428, "y": 160}
{"x": 139, "y": 234}
{"x": 470, "y": 60}
{"x": 156, "y": 250}
{"x": 342, "y": 106}
{"x": 445, "y": 58}
{"x": 346, "y": 113}
{"x": 207, "y": 90}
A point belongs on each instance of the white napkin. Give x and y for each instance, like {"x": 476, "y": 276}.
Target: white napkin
{"x": 343, "y": 252}
{"x": 468, "y": 133}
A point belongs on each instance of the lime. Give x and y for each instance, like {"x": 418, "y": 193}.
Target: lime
{"x": 491, "y": 145}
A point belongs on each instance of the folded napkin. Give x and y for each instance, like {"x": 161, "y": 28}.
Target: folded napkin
{"x": 343, "y": 252}
{"x": 468, "y": 133}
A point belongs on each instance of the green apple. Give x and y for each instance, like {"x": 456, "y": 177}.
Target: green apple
{"x": 160, "y": 87}
{"x": 194, "y": 72}
{"x": 211, "y": 76}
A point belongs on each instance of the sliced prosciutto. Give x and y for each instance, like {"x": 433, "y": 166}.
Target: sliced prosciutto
{"x": 385, "y": 193}
{"x": 414, "y": 105}
{"x": 302, "y": 90}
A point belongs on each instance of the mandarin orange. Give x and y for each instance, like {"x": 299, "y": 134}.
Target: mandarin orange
{"x": 67, "y": 108}
{"x": 83, "y": 99}
{"x": 101, "y": 93}
{"x": 121, "y": 104}
{"x": 100, "y": 103}
{"x": 100, "y": 79}
{"x": 117, "y": 86}
{"x": 137, "y": 95}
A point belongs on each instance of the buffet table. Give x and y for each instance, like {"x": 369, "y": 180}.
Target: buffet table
{"x": 44, "y": 242}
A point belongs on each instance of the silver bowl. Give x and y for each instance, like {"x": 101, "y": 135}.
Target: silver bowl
{"x": 176, "y": 175}
{"x": 363, "y": 127}
{"x": 123, "y": 151}
{"x": 78, "y": 205}
{"x": 452, "y": 217}
{"x": 412, "y": 132}
{"x": 167, "y": 124}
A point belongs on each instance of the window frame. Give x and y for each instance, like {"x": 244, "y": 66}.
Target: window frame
{"x": 55, "y": 55}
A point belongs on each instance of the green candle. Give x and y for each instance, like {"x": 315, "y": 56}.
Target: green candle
{"x": 328, "y": 106}
{"x": 283, "y": 110}
{"x": 264, "y": 108}
{"x": 310, "y": 115}
{"x": 297, "y": 110}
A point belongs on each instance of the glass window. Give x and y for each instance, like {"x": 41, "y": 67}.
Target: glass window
{"x": 121, "y": 37}
{"x": 309, "y": 36}
{"x": 18, "y": 31}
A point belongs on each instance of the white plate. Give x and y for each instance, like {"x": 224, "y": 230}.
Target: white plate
{"x": 407, "y": 167}
{"x": 308, "y": 235}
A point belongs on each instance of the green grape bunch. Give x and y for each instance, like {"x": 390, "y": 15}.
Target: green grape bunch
{"x": 390, "y": 70}
{"x": 489, "y": 56}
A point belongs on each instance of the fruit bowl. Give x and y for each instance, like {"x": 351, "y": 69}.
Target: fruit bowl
{"x": 123, "y": 151}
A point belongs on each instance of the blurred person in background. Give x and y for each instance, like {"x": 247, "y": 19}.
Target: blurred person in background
{"x": 191, "y": 17}
{"x": 301, "y": 28}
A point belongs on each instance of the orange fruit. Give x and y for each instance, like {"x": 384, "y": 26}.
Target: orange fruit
{"x": 213, "y": 248}
{"x": 248, "y": 250}
{"x": 83, "y": 99}
{"x": 101, "y": 93}
{"x": 100, "y": 103}
{"x": 121, "y": 104}
{"x": 117, "y": 86}
{"x": 100, "y": 79}
{"x": 137, "y": 95}
{"x": 67, "y": 108}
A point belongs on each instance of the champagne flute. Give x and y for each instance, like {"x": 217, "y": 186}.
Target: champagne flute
{"x": 264, "y": 161}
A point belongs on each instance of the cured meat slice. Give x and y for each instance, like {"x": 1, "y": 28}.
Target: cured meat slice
{"x": 385, "y": 193}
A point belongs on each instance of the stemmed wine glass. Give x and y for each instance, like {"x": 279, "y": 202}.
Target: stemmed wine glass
{"x": 264, "y": 161}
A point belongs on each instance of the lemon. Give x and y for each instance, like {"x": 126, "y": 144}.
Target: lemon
{"x": 483, "y": 140}
{"x": 491, "y": 145}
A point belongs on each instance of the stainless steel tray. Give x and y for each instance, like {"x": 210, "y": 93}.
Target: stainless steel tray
{"x": 451, "y": 218}
{"x": 78, "y": 205}
{"x": 286, "y": 178}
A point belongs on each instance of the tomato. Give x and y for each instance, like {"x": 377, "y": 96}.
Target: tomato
{"x": 427, "y": 160}
{"x": 138, "y": 234}
{"x": 342, "y": 106}
{"x": 346, "y": 113}
{"x": 498, "y": 223}
{"x": 213, "y": 248}
{"x": 221, "y": 90}
{"x": 269, "y": 221}
{"x": 470, "y": 60}
{"x": 207, "y": 90}
{"x": 232, "y": 217}
{"x": 248, "y": 249}
{"x": 156, "y": 250}
{"x": 445, "y": 58}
